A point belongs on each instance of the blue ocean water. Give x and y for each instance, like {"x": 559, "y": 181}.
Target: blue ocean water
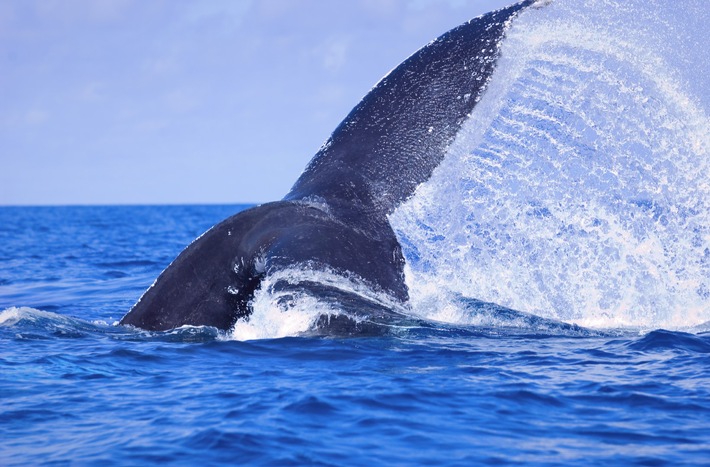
{"x": 76, "y": 389}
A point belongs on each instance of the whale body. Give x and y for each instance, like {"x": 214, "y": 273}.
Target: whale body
{"x": 335, "y": 215}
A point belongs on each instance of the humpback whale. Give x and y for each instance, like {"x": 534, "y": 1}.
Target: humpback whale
{"x": 335, "y": 215}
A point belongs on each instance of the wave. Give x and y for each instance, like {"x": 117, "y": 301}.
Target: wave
{"x": 316, "y": 302}
{"x": 33, "y": 324}
{"x": 481, "y": 320}
{"x": 660, "y": 340}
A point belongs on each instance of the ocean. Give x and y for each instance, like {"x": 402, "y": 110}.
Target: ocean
{"x": 76, "y": 389}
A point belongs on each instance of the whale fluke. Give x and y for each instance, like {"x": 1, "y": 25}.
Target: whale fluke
{"x": 335, "y": 216}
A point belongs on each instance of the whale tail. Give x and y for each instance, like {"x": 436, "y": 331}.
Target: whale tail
{"x": 335, "y": 216}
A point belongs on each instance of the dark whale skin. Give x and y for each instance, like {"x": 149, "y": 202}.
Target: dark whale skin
{"x": 335, "y": 216}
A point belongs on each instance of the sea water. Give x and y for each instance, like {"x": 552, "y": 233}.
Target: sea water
{"x": 76, "y": 389}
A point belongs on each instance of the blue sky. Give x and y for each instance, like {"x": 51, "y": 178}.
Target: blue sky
{"x": 176, "y": 101}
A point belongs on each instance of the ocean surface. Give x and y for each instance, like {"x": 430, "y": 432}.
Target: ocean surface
{"x": 77, "y": 389}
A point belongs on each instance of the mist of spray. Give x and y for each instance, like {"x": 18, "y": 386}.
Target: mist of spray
{"x": 579, "y": 189}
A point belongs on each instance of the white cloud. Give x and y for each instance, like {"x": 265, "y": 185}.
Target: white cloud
{"x": 335, "y": 54}
{"x": 232, "y": 12}
{"x": 181, "y": 100}
{"x": 36, "y": 116}
{"x": 92, "y": 91}
{"x": 422, "y": 4}
{"x": 151, "y": 125}
{"x": 164, "y": 64}
{"x": 81, "y": 10}
{"x": 381, "y": 8}
{"x": 107, "y": 10}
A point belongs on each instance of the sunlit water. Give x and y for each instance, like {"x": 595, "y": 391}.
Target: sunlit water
{"x": 566, "y": 229}
{"x": 76, "y": 389}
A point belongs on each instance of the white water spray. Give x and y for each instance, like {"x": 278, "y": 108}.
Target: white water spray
{"x": 579, "y": 189}
{"x": 285, "y": 303}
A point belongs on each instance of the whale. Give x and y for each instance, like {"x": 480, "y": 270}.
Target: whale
{"x": 335, "y": 217}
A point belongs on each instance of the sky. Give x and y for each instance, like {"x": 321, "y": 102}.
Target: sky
{"x": 183, "y": 102}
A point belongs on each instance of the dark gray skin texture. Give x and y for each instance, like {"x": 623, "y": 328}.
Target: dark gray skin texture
{"x": 335, "y": 216}
{"x": 213, "y": 280}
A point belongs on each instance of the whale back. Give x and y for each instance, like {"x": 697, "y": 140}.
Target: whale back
{"x": 398, "y": 134}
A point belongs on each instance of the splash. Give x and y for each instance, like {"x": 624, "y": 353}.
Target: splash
{"x": 311, "y": 299}
{"x": 578, "y": 190}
